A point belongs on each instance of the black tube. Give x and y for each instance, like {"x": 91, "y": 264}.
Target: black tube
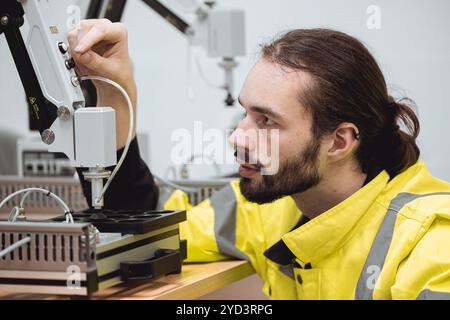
{"x": 115, "y": 9}
{"x": 93, "y": 11}
{"x": 167, "y": 14}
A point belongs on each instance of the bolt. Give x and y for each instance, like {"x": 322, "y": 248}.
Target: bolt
{"x": 4, "y": 21}
{"x": 63, "y": 113}
{"x": 48, "y": 137}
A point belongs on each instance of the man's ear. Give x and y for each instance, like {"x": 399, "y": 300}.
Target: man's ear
{"x": 343, "y": 141}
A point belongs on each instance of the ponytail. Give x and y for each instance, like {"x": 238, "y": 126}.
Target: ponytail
{"x": 398, "y": 149}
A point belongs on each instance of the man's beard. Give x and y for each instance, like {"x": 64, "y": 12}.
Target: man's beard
{"x": 294, "y": 176}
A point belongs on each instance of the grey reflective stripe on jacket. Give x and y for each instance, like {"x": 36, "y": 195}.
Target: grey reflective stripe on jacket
{"x": 225, "y": 205}
{"x": 433, "y": 295}
{"x": 380, "y": 246}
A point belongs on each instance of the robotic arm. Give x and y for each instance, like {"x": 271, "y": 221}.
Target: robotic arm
{"x": 220, "y": 31}
{"x": 96, "y": 248}
{"x": 85, "y": 135}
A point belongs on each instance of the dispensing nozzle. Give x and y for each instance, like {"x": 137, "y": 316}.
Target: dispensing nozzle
{"x": 97, "y": 176}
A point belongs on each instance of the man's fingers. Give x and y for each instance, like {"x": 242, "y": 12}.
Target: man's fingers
{"x": 101, "y": 31}
{"x": 92, "y": 60}
{"x": 76, "y": 34}
{"x": 95, "y": 35}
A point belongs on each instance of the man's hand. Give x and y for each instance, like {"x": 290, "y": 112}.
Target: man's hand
{"x": 100, "y": 48}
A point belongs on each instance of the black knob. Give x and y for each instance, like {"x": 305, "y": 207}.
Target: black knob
{"x": 229, "y": 101}
{"x": 70, "y": 64}
{"x": 63, "y": 47}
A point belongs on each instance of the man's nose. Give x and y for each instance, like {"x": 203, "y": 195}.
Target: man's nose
{"x": 243, "y": 138}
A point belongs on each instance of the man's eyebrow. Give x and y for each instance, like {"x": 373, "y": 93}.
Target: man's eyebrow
{"x": 263, "y": 110}
{"x": 266, "y": 111}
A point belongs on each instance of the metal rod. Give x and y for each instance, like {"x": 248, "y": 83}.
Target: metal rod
{"x": 169, "y": 15}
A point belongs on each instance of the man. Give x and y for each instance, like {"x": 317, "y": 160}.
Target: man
{"x": 351, "y": 212}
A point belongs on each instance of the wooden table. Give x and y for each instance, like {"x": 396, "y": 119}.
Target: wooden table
{"x": 195, "y": 280}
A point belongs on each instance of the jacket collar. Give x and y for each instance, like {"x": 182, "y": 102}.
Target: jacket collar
{"x": 325, "y": 233}
{"x": 279, "y": 252}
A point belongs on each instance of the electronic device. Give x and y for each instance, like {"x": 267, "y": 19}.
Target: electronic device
{"x": 77, "y": 260}
{"x": 70, "y": 255}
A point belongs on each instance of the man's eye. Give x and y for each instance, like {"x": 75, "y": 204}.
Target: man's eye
{"x": 267, "y": 122}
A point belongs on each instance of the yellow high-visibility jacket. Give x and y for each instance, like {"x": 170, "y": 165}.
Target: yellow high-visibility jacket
{"x": 389, "y": 240}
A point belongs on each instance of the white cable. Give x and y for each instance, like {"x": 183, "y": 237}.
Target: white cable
{"x": 130, "y": 130}
{"x": 129, "y": 139}
{"x": 14, "y": 214}
{"x": 69, "y": 217}
{"x": 22, "y": 202}
{"x": 14, "y": 246}
{"x": 203, "y": 76}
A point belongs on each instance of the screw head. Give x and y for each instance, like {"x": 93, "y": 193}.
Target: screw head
{"x": 63, "y": 113}
{"x": 75, "y": 81}
{"x": 4, "y": 20}
{"x": 48, "y": 137}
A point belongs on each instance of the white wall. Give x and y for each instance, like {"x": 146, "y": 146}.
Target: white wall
{"x": 412, "y": 47}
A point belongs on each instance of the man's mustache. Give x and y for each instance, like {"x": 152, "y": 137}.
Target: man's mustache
{"x": 244, "y": 156}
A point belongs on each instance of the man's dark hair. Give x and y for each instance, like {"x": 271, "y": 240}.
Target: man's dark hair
{"x": 348, "y": 86}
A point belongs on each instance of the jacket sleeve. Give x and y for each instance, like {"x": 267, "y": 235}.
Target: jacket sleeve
{"x": 425, "y": 274}
{"x": 133, "y": 187}
{"x": 214, "y": 228}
